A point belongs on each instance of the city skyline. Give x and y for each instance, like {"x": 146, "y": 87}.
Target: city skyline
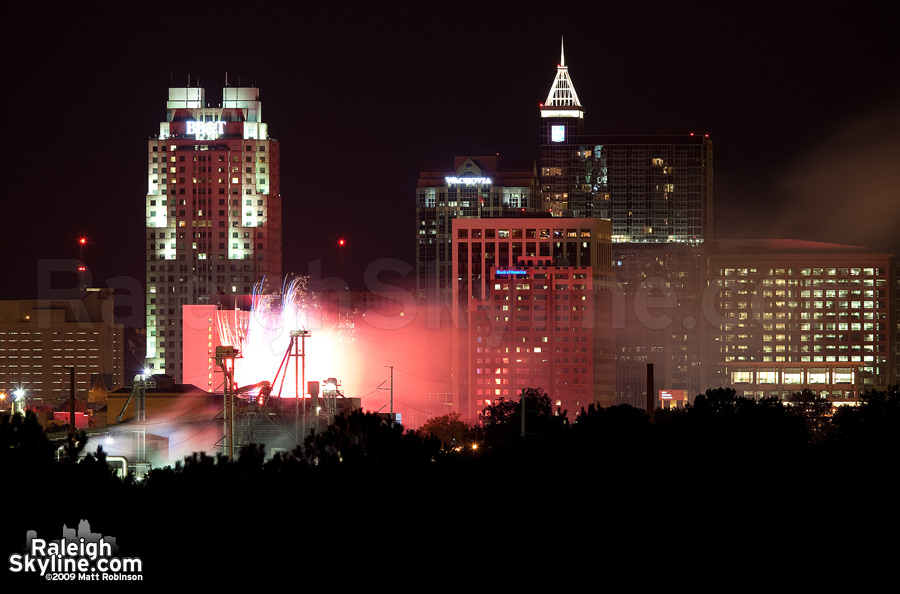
{"x": 785, "y": 99}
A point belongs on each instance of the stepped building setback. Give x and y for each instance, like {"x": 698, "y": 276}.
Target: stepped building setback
{"x": 213, "y": 211}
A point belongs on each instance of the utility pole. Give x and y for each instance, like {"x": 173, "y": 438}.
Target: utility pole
{"x": 223, "y": 355}
{"x": 523, "y": 414}
{"x": 71, "y": 402}
{"x": 391, "y": 367}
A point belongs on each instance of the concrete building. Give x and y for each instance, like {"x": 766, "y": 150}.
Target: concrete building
{"x": 539, "y": 327}
{"x": 40, "y": 339}
{"x": 213, "y": 211}
{"x": 525, "y": 329}
{"x": 788, "y": 315}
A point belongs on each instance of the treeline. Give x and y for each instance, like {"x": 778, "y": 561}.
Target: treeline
{"x": 719, "y": 430}
{"x": 721, "y": 451}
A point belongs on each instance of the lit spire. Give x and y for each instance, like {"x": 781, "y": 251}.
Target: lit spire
{"x": 562, "y": 93}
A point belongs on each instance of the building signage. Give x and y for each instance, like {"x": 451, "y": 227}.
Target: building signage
{"x": 206, "y": 130}
{"x": 677, "y": 395}
{"x": 512, "y": 272}
{"x": 468, "y": 181}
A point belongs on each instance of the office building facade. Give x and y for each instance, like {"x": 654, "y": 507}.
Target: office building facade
{"x": 213, "y": 212}
{"x": 658, "y": 319}
{"x": 788, "y": 315}
{"x": 657, "y": 193}
{"x": 539, "y": 327}
{"x": 475, "y": 187}
{"x": 529, "y": 292}
{"x": 654, "y": 189}
{"x": 40, "y": 339}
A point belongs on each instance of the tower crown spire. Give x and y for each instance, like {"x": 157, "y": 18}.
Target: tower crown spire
{"x": 562, "y": 99}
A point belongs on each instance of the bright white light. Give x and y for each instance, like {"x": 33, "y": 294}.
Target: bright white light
{"x": 557, "y": 133}
{"x": 263, "y": 336}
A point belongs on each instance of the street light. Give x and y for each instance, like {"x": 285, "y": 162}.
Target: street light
{"x": 18, "y": 401}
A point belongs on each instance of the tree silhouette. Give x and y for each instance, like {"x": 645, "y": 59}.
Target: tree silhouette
{"x": 23, "y": 442}
{"x": 501, "y": 421}
{"x": 815, "y": 411}
{"x": 365, "y": 439}
{"x": 449, "y": 429}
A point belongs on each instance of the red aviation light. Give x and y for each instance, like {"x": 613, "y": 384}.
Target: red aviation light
{"x": 82, "y": 241}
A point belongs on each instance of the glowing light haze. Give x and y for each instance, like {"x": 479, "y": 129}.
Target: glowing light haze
{"x": 263, "y": 335}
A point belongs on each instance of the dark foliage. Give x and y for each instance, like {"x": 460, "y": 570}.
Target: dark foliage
{"x": 501, "y": 422}
{"x": 722, "y": 457}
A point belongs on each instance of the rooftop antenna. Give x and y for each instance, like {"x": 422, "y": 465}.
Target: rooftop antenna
{"x": 562, "y": 51}
{"x": 226, "y": 78}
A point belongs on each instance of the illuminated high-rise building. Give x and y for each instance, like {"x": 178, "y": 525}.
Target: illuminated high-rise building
{"x": 657, "y": 193}
{"x": 654, "y": 189}
{"x": 532, "y": 308}
{"x": 213, "y": 211}
{"x": 474, "y": 188}
{"x": 788, "y": 315}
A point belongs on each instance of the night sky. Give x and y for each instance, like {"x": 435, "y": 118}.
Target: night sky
{"x": 802, "y": 103}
